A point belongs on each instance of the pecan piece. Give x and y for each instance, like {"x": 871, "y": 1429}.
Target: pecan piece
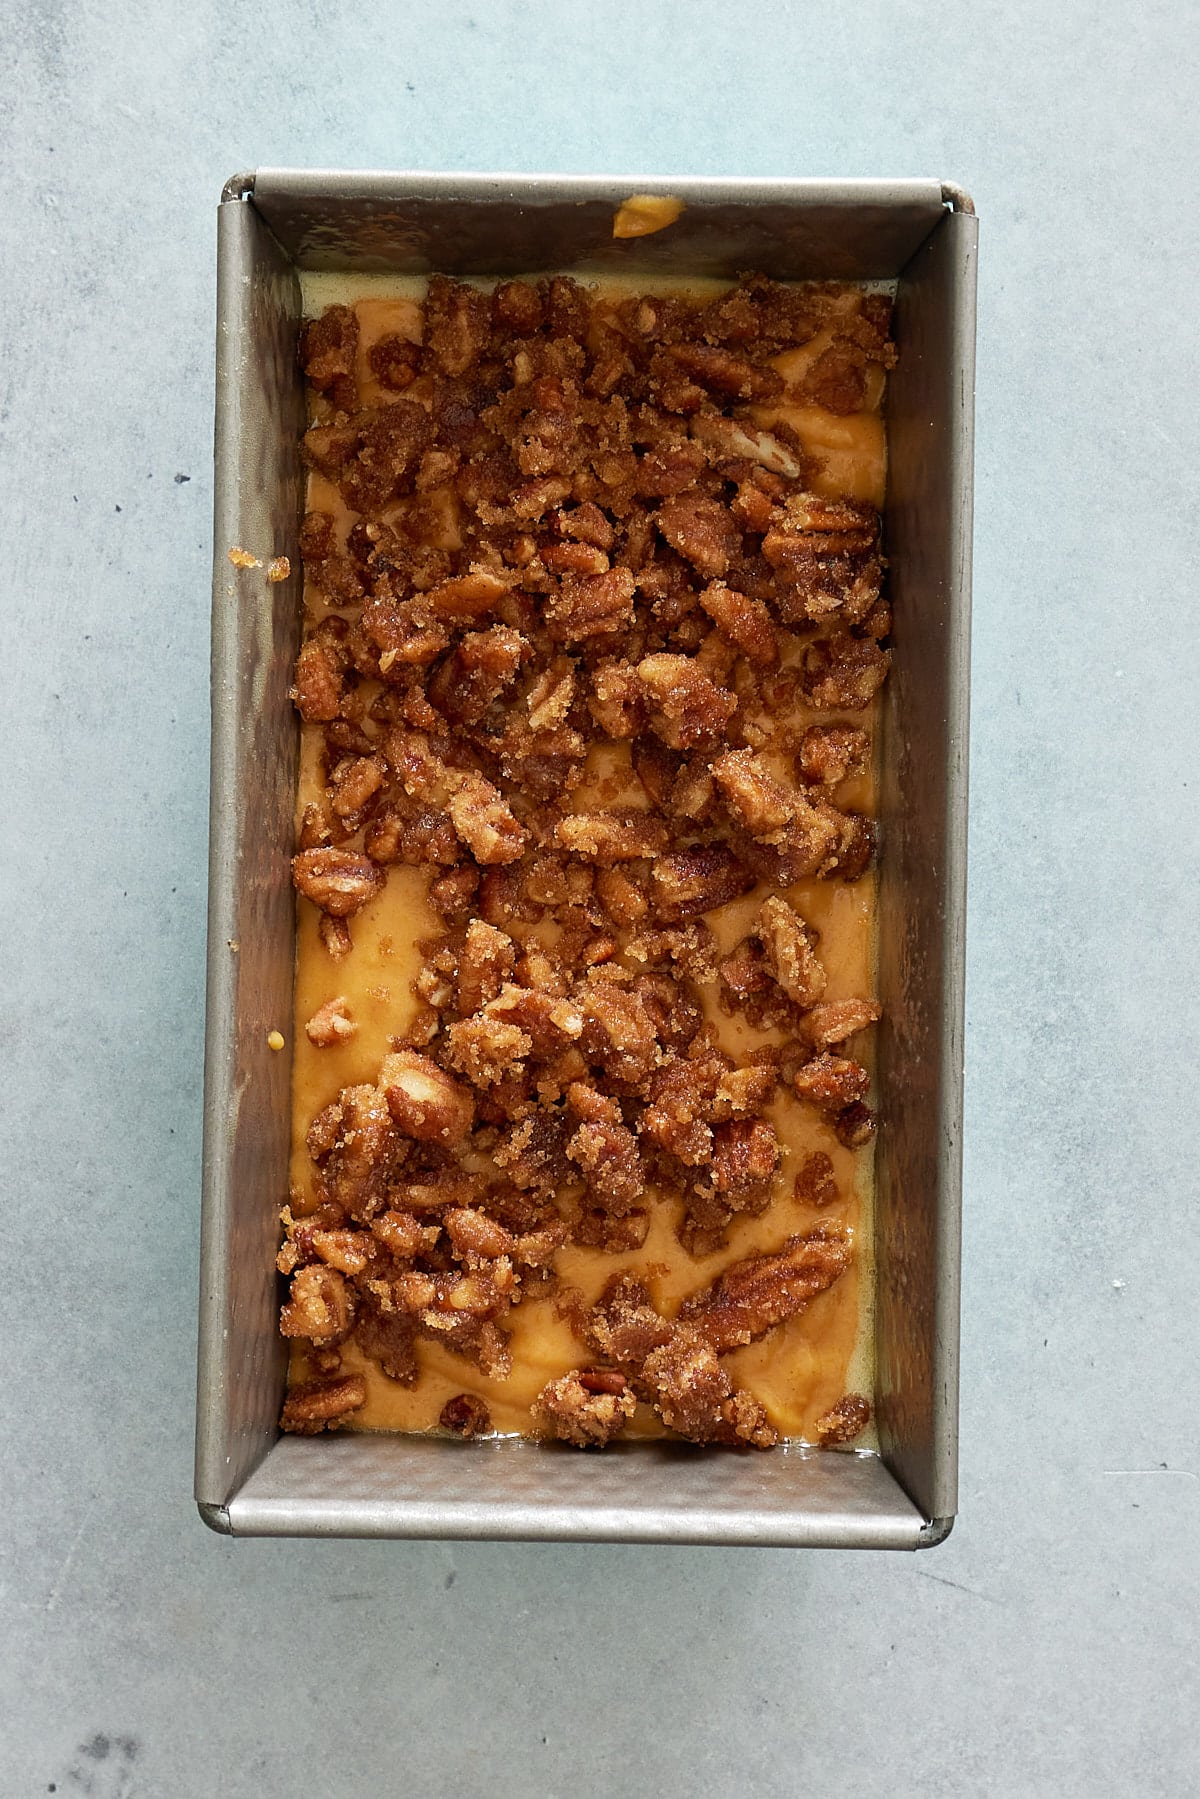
{"x": 340, "y": 882}
{"x": 425, "y": 1102}
{"x": 686, "y": 706}
{"x": 466, "y": 1416}
{"x": 485, "y": 822}
{"x": 316, "y": 1405}
{"x": 694, "y": 1396}
{"x": 832, "y": 753}
{"x": 790, "y": 956}
{"x": 694, "y": 881}
{"x": 328, "y": 348}
{"x": 844, "y": 1421}
{"x": 840, "y": 1019}
{"x": 832, "y": 1082}
{"x": 759, "y": 803}
{"x": 330, "y": 1025}
{"x": 320, "y": 1305}
{"x": 317, "y": 692}
{"x": 607, "y": 837}
{"x": 753, "y": 1296}
{"x": 744, "y": 622}
{"x": 568, "y": 1410}
{"x": 814, "y": 1184}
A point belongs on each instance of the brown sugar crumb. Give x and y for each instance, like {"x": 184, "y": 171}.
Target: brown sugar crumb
{"x": 581, "y": 651}
{"x": 243, "y": 559}
{"x": 844, "y": 1421}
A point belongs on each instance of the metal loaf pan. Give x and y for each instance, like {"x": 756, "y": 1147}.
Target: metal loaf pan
{"x": 249, "y": 1479}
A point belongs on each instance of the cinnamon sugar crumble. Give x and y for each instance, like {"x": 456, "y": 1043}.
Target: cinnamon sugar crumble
{"x": 580, "y": 644}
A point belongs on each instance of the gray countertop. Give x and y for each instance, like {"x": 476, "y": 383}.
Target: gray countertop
{"x": 1049, "y": 1648}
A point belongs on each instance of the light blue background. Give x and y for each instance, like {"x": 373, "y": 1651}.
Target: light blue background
{"x": 1050, "y": 1647}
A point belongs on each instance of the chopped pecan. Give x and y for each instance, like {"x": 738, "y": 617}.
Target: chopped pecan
{"x": 694, "y": 1396}
{"x": 814, "y": 1184}
{"x": 465, "y": 1416}
{"x": 318, "y": 688}
{"x": 316, "y": 1405}
{"x": 623, "y": 1325}
{"x": 832, "y": 1082}
{"x": 832, "y": 753}
{"x": 353, "y": 784}
{"x": 567, "y": 1409}
{"x": 587, "y": 606}
{"x": 608, "y": 837}
{"x": 608, "y": 1159}
{"x": 355, "y": 1142}
{"x": 745, "y": 622}
{"x": 690, "y": 882}
{"x": 680, "y": 1108}
{"x": 840, "y": 1019}
{"x": 389, "y": 1338}
{"x": 340, "y": 882}
{"x": 618, "y": 1032}
{"x": 402, "y": 1235}
{"x": 844, "y": 671}
{"x": 760, "y": 803}
{"x": 335, "y": 935}
{"x": 720, "y": 371}
{"x": 745, "y": 1157}
{"x": 702, "y": 531}
{"x": 844, "y": 1421}
{"x": 452, "y": 894}
{"x": 855, "y": 1125}
{"x": 477, "y": 671}
{"x": 320, "y": 1305}
{"x": 330, "y": 1025}
{"x": 736, "y": 440}
{"x": 686, "y": 706}
{"x": 485, "y": 822}
{"x": 457, "y": 324}
{"x": 622, "y": 895}
{"x": 485, "y": 962}
{"x": 485, "y": 1048}
{"x": 424, "y": 1100}
{"x": 753, "y": 1296}
{"x": 328, "y": 348}
{"x": 550, "y": 1023}
{"x": 787, "y": 944}
{"x": 748, "y": 1089}
{"x": 474, "y": 1234}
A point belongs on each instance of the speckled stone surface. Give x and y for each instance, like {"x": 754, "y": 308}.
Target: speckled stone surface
{"x": 1050, "y": 1647}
